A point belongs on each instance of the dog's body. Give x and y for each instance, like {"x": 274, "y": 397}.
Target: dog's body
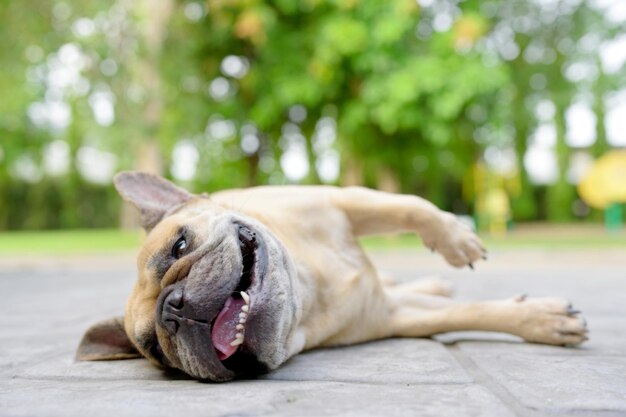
{"x": 243, "y": 280}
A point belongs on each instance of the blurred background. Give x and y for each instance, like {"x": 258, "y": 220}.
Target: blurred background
{"x": 505, "y": 111}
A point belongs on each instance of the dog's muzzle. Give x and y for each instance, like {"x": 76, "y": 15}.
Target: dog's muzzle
{"x": 206, "y": 314}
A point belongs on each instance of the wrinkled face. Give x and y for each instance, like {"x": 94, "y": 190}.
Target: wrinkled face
{"x": 214, "y": 296}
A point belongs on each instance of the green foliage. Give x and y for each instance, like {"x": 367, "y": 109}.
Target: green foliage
{"x": 395, "y": 95}
{"x": 58, "y": 204}
{"x": 68, "y": 242}
{"x": 415, "y": 108}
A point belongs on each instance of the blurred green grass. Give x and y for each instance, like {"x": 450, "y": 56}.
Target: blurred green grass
{"x": 68, "y": 242}
{"x": 83, "y": 242}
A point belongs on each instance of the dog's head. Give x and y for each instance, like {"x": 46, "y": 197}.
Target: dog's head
{"x": 214, "y": 295}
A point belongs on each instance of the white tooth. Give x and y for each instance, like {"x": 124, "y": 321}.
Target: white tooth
{"x": 237, "y": 341}
{"x": 243, "y": 315}
{"x": 242, "y": 321}
{"x": 245, "y": 297}
{"x": 239, "y": 335}
{"x": 240, "y": 326}
{"x": 245, "y": 308}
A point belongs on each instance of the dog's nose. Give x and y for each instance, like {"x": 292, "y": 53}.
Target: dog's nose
{"x": 171, "y": 315}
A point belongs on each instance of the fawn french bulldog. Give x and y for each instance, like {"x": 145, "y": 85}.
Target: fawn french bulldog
{"x": 238, "y": 282}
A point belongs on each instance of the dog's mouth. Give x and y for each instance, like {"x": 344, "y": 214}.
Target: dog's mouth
{"x": 228, "y": 330}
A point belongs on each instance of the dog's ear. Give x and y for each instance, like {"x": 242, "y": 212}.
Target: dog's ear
{"x": 152, "y": 195}
{"x": 106, "y": 340}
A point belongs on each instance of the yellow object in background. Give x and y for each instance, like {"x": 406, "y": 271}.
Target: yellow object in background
{"x": 498, "y": 209}
{"x": 605, "y": 183}
{"x": 491, "y": 193}
{"x": 604, "y": 187}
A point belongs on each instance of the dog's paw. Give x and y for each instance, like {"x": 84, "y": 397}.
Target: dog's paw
{"x": 549, "y": 320}
{"x": 454, "y": 240}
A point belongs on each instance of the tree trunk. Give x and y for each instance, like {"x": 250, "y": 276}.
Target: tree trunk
{"x": 601, "y": 145}
{"x": 153, "y": 17}
{"x": 560, "y": 195}
{"x": 352, "y": 172}
{"x": 524, "y": 206}
{"x": 387, "y": 180}
{"x": 253, "y": 169}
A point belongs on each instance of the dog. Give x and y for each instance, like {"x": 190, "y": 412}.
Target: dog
{"x": 236, "y": 283}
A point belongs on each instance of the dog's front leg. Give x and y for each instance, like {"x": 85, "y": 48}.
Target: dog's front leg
{"x": 375, "y": 212}
{"x": 541, "y": 320}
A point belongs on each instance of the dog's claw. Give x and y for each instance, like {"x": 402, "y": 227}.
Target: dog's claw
{"x": 471, "y": 266}
{"x": 520, "y": 298}
{"x": 572, "y": 312}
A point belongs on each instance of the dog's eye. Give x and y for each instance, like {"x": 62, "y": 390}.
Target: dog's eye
{"x": 179, "y": 248}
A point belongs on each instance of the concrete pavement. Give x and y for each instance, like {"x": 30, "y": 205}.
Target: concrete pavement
{"x": 47, "y": 304}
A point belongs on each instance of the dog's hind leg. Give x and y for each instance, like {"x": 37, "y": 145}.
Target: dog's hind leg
{"x": 541, "y": 320}
{"x": 386, "y": 279}
{"x": 432, "y": 285}
{"x": 424, "y": 285}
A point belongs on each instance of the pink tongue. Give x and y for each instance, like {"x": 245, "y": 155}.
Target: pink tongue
{"x": 224, "y": 329}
